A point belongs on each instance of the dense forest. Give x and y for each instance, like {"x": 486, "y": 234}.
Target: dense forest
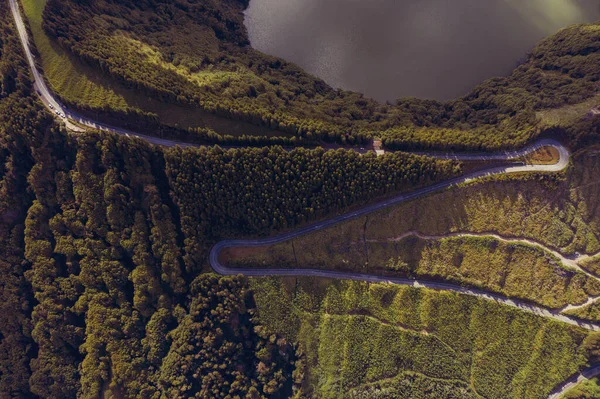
{"x": 197, "y": 54}
{"x": 104, "y": 239}
{"x": 94, "y": 300}
{"x": 104, "y": 242}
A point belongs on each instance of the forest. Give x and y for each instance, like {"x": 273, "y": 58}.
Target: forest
{"x": 104, "y": 242}
{"x": 232, "y": 80}
{"x": 93, "y": 297}
{"x": 106, "y": 290}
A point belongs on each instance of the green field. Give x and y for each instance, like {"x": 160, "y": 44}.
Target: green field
{"x": 359, "y": 337}
{"x": 567, "y": 115}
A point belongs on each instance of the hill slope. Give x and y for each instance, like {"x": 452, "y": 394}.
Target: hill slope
{"x": 197, "y": 55}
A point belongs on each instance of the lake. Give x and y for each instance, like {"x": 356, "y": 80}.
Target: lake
{"x": 387, "y": 49}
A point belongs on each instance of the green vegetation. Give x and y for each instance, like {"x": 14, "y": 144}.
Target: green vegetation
{"x": 414, "y": 386}
{"x": 511, "y": 269}
{"x": 103, "y": 295}
{"x": 98, "y": 95}
{"x": 215, "y": 353}
{"x": 516, "y": 133}
{"x": 558, "y": 212}
{"x": 591, "y": 264}
{"x": 515, "y": 270}
{"x": 357, "y": 337}
{"x": 95, "y": 302}
{"x": 256, "y": 191}
{"x": 104, "y": 241}
{"x": 16, "y": 299}
{"x": 589, "y": 312}
{"x": 71, "y": 79}
{"x": 568, "y": 114}
{"x": 119, "y": 304}
{"x": 589, "y": 389}
{"x": 153, "y": 48}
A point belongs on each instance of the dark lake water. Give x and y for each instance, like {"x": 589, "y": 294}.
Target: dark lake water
{"x": 389, "y": 49}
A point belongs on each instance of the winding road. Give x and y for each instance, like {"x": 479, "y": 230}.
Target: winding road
{"x": 70, "y": 117}
{"x": 563, "y": 162}
{"x": 54, "y": 105}
{"x": 311, "y": 228}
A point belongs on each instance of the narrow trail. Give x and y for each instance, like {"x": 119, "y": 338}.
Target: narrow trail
{"x": 572, "y": 262}
{"x": 587, "y": 374}
{"x": 569, "y": 262}
{"x": 590, "y": 301}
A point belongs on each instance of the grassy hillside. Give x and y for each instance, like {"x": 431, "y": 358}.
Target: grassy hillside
{"x": 198, "y": 55}
{"x": 70, "y": 78}
{"x": 558, "y": 211}
{"x": 80, "y": 85}
{"x": 419, "y": 239}
{"x": 589, "y": 312}
{"x": 102, "y": 253}
{"x": 376, "y": 340}
{"x": 568, "y": 114}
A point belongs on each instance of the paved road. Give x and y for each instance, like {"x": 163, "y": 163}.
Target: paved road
{"x": 522, "y": 305}
{"x": 51, "y": 102}
{"x": 586, "y": 374}
{"x": 562, "y": 164}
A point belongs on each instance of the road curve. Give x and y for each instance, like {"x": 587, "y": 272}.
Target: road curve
{"x": 51, "y": 102}
{"x": 562, "y": 164}
{"x": 218, "y": 267}
{"x": 586, "y": 374}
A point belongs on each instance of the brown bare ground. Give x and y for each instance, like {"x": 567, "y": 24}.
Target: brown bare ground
{"x": 543, "y": 156}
